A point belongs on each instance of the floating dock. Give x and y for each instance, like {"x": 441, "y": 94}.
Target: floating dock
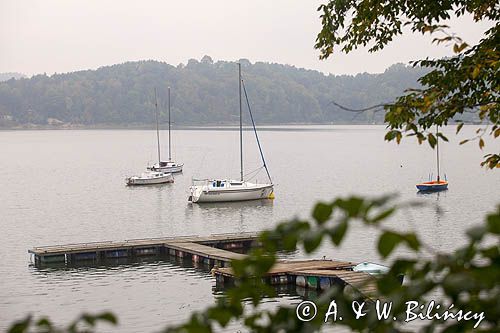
{"x": 215, "y": 251}
{"x": 212, "y": 250}
{"x": 312, "y": 274}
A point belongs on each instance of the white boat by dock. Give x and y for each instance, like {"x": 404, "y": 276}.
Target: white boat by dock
{"x": 150, "y": 178}
{"x": 224, "y": 190}
{"x": 228, "y": 190}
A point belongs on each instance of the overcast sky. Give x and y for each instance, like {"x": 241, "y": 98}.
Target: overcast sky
{"x": 50, "y": 36}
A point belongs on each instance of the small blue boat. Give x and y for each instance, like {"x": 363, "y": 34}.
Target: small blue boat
{"x": 433, "y": 186}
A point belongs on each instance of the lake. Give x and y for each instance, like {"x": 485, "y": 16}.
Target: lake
{"x": 67, "y": 186}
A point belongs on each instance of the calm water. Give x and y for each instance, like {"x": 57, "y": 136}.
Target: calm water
{"x": 68, "y": 186}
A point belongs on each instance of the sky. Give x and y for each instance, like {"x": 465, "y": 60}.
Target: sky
{"x": 58, "y": 36}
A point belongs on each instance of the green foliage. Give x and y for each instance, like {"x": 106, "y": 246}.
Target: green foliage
{"x": 455, "y": 87}
{"x": 85, "y": 323}
{"x": 469, "y": 277}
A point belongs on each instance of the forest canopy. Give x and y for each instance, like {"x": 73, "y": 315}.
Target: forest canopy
{"x": 203, "y": 92}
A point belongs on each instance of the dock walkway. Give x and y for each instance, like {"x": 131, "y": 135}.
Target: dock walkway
{"x": 214, "y": 251}
{"x": 211, "y": 249}
{"x": 313, "y": 274}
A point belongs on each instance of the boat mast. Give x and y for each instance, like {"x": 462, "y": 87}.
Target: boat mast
{"x": 241, "y": 125}
{"x": 157, "y": 129}
{"x": 437, "y": 152}
{"x": 169, "y": 144}
{"x": 255, "y": 132}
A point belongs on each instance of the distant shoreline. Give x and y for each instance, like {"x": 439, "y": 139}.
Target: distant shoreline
{"x": 222, "y": 126}
{"x": 30, "y": 127}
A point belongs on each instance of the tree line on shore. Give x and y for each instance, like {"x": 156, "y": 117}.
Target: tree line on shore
{"x": 203, "y": 93}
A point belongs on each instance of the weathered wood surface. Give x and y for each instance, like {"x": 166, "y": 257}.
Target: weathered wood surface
{"x": 145, "y": 242}
{"x": 205, "y": 251}
{"x": 287, "y": 267}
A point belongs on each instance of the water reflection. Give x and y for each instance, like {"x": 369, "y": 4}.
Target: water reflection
{"x": 240, "y": 205}
{"x": 241, "y": 215}
{"x": 436, "y": 194}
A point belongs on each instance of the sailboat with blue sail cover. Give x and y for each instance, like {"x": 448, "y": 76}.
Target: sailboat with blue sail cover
{"x": 224, "y": 190}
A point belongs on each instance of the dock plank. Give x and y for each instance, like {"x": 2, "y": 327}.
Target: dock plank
{"x": 144, "y": 242}
{"x": 205, "y": 251}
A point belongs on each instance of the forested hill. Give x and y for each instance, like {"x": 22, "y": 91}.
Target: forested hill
{"x": 203, "y": 92}
{"x": 11, "y": 75}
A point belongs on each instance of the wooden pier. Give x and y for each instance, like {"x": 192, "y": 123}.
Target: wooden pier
{"x": 212, "y": 250}
{"x": 312, "y": 274}
{"x": 215, "y": 251}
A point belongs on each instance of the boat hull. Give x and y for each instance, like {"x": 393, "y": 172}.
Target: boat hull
{"x": 433, "y": 186}
{"x": 168, "y": 169}
{"x": 200, "y": 195}
{"x": 133, "y": 181}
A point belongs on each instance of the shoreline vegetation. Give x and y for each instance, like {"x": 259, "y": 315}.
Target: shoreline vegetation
{"x": 214, "y": 126}
{"x": 203, "y": 93}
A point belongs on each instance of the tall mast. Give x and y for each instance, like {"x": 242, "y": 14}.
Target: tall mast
{"x": 255, "y": 132}
{"x": 437, "y": 151}
{"x": 157, "y": 129}
{"x": 241, "y": 125}
{"x": 169, "y": 144}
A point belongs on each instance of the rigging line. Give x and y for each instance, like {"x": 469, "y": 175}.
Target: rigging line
{"x": 255, "y": 131}
{"x": 254, "y": 176}
{"x": 254, "y": 171}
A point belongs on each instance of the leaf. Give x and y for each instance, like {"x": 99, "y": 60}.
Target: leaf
{"x": 459, "y": 127}
{"x": 481, "y": 143}
{"x": 464, "y": 141}
{"x": 108, "y": 317}
{"x": 391, "y": 135}
{"x": 476, "y": 233}
{"x": 387, "y": 242}
{"x": 441, "y": 135}
{"x": 398, "y": 137}
{"x": 322, "y": 212}
{"x": 493, "y": 222}
{"x": 221, "y": 315}
{"x": 432, "y": 140}
{"x": 420, "y": 138}
{"x": 459, "y": 48}
{"x": 353, "y": 206}
{"x": 44, "y": 322}
{"x": 20, "y": 326}
{"x": 412, "y": 241}
{"x": 382, "y": 216}
{"x": 338, "y": 232}
{"x": 476, "y": 72}
{"x": 312, "y": 240}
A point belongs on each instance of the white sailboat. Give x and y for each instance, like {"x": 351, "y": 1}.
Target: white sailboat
{"x": 166, "y": 166}
{"x": 224, "y": 190}
{"x": 152, "y": 177}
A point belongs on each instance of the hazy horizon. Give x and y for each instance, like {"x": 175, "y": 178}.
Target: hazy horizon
{"x": 56, "y": 36}
{"x": 184, "y": 63}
